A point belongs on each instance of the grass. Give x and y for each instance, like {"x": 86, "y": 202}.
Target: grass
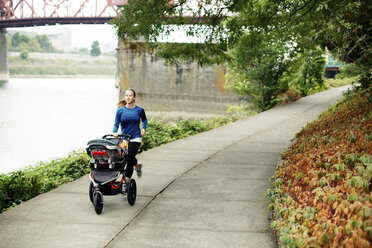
{"x": 338, "y": 82}
{"x": 40, "y": 66}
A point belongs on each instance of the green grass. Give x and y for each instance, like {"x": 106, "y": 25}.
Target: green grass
{"x": 338, "y": 82}
{"x": 39, "y": 66}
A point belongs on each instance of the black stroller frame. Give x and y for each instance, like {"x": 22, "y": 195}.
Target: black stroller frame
{"x": 108, "y": 163}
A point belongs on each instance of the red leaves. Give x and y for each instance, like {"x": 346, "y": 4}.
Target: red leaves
{"x": 329, "y": 168}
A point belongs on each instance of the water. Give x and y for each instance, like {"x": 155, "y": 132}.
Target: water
{"x": 44, "y": 118}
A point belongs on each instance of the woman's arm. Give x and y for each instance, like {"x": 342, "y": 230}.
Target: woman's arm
{"x": 117, "y": 121}
{"x": 144, "y": 122}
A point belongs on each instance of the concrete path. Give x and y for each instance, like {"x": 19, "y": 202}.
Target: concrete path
{"x": 202, "y": 191}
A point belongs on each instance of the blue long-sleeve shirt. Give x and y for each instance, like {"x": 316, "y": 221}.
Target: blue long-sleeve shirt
{"x": 129, "y": 119}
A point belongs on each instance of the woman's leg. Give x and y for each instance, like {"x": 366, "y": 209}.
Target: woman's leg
{"x": 132, "y": 161}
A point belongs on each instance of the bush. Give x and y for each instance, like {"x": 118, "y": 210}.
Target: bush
{"x": 24, "y": 54}
{"x": 348, "y": 71}
{"x": 321, "y": 190}
{"x": 312, "y": 72}
{"x": 290, "y": 95}
{"x": 337, "y": 82}
{"x": 159, "y": 133}
{"x": 22, "y": 185}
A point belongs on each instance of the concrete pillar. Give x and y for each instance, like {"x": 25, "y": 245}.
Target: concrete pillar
{"x": 162, "y": 87}
{"x": 4, "y": 70}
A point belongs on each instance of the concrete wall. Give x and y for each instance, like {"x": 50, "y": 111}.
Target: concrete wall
{"x": 4, "y": 71}
{"x": 163, "y": 87}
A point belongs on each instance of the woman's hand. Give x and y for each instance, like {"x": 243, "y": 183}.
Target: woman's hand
{"x": 115, "y": 134}
{"x": 143, "y": 132}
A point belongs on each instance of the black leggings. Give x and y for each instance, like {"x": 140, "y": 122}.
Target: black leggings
{"x": 132, "y": 152}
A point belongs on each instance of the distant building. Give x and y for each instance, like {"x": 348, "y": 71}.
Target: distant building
{"x": 61, "y": 39}
{"x": 332, "y": 66}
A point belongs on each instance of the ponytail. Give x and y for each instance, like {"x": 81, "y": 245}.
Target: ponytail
{"x": 122, "y": 103}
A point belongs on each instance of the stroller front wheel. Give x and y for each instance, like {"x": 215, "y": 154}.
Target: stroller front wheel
{"x": 98, "y": 203}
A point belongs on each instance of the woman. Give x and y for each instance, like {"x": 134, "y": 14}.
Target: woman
{"x": 129, "y": 117}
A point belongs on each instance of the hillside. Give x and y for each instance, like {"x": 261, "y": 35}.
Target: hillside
{"x": 321, "y": 192}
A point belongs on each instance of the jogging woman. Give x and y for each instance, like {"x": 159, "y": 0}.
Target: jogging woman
{"x": 129, "y": 117}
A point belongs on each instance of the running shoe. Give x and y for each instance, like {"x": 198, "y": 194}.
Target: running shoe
{"x": 125, "y": 186}
{"x": 139, "y": 171}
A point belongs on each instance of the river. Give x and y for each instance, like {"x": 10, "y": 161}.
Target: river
{"x": 46, "y": 118}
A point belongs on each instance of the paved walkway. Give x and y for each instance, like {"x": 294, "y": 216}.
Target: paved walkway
{"x": 202, "y": 191}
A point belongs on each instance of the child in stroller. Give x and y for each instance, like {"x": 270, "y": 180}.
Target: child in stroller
{"x": 109, "y": 158}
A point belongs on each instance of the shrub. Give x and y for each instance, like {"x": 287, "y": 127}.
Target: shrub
{"x": 23, "y": 54}
{"x": 22, "y": 185}
{"x": 291, "y": 95}
{"x": 338, "y": 82}
{"x": 348, "y": 71}
{"x": 159, "y": 133}
{"x": 321, "y": 190}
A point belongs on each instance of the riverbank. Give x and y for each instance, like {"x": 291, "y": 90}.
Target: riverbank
{"x": 57, "y": 64}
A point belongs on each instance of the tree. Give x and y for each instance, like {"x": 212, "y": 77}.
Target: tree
{"x": 261, "y": 65}
{"x": 18, "y": 39}
{"x": 342, "y": 26}
{"x": 311, "y": 72}
{"x": 96, "y": 50}
{"x": 45, "y": 43}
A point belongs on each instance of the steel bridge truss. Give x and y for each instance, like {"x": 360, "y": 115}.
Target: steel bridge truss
{"x": 21, "y": 13}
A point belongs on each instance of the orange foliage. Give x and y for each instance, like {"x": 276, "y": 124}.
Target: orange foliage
{"x": 326, "y": 177}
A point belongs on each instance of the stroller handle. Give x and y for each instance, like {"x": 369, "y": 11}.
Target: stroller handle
{"x": 120, "y": 136}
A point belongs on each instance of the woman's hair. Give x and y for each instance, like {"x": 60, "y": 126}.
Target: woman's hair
{"x": 134, "y": 93}
{"x": 122, "y": 103}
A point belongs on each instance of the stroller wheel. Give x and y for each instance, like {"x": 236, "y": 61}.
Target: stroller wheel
{"x": 98, "y": 203}
{"x": 132, "y": 192}
{"x": 91, "y": 192}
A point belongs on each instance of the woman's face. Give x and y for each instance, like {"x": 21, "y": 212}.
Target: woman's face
{"x": 129, "y": 96}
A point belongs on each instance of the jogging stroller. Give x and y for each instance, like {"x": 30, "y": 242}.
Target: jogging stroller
{"x": 108, "y": 161}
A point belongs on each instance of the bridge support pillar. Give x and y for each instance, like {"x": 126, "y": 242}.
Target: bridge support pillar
{"x": 4, "y": 70}
{"x": 162, "y": 87}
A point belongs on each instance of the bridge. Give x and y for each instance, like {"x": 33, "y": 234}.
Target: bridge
{"x": 25, "y": 13}
{"x": 28, "y": 13}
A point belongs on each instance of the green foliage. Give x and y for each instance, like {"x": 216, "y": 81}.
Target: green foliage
{"x": 158, "y": 133}
{"x": 341, "y": 26}
{"x": 19, "y": 42}
{"x": 312, "y": 72}
{"x": 96, "y": 50}
{"x": 45, "y": 44}
{"x": 18, "y": 39}
{"x": 39, "y": 66}
{"x": 348, "y": 71}
{"x": 336, "y": 82}
{"x": 22, "y": 185}
{"x": 257, "y": 68}
{"x": 24, "y": 54}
